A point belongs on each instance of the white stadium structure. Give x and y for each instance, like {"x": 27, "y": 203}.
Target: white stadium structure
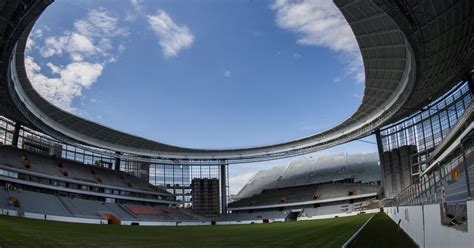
{"x": 419, "y": 82}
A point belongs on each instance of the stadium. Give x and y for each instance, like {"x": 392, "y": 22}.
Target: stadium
{"x": 69, "y": 181}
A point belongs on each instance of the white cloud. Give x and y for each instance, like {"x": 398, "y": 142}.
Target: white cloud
{"x": 137, "y": 10}
{"x": 89, "y": 47}
{"x": 91, "y": 35}
{"x": 237, "y": 182}
{"x": 135, "y": 3}
{"x": 227, "y": 73}
{"x": 68, "y": 83}
{"x": 320, "y": 23}
{"x": 99, "y": 24}
{"x": 30, "y": 43}
{"x": 172, "y": 37}
{"x": 297, "y": 55}
{"x": 53, "y": 46}
{"x": 75, "y": 44}
{"x": 81, "y": 44}
{"x": 357, "y": 95}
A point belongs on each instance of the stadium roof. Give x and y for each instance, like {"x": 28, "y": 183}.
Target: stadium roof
{"x": 412, "y": 53}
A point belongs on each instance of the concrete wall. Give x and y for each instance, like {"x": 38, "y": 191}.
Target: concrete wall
{"x": 64, "y": 219}
{"x": 8, "y": 212}
{"x": 423, "y": 225}
{"x": 52, "y": 217}
{"x": 243, "y": 222}
{"x": 76, "y": 220}
{"x": 166, "y": 223}
{"x": 396, "y": 170}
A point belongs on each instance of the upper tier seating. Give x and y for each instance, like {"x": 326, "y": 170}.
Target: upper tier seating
{"x": 360, "y": 168}
{"x": 17, "y": 158}
{"x": 305, "y": 193}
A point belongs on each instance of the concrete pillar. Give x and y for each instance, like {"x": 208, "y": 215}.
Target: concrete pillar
{"x": 145, "y": 167}
{"x": 381, "y": 158}
{"x": 117, "y": 161}
{"x": 223, "y": 178}
{"x": 466, "y": 171}
{"x": 16, "y": 135}
{"x": 470, "y": 79}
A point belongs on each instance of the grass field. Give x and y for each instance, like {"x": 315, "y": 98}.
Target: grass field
{"x": 381, "y": 231}
{"x": 20, "y": 232}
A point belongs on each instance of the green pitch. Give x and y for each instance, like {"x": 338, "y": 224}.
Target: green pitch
{"x": 20, "y": 232}
{"x": 381, "y": 231}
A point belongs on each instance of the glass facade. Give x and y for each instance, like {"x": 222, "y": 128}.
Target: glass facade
{"x": 442, "y": 135}
{"x": 177, "y": 178}
{"x": 40, "y": 143}
{"x": 7, "y": 128}
{"x": 428, "y": 127}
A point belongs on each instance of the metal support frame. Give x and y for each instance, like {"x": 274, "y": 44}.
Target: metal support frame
{"x": 423, "y": 124}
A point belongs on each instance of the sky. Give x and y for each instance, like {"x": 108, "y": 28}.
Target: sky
{"x": 201, "y": 74}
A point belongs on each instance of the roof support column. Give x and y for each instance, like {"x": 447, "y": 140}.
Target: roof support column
{"x": 16, "y": 135}
{"x": 117, "y": 161}
{"x": 466, "y": 170}
{"x": 381, "y": 158}
{"x": 470, "y": 79}
{"x": 223, "y": 180}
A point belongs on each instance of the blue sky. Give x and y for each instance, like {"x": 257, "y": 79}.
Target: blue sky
{"x": 213, "y": 74}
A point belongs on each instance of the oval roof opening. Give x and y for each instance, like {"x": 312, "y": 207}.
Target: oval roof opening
{"x": 201, "y": 75}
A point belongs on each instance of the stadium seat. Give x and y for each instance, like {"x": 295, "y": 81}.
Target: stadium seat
{"x": 141, "y": 210}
